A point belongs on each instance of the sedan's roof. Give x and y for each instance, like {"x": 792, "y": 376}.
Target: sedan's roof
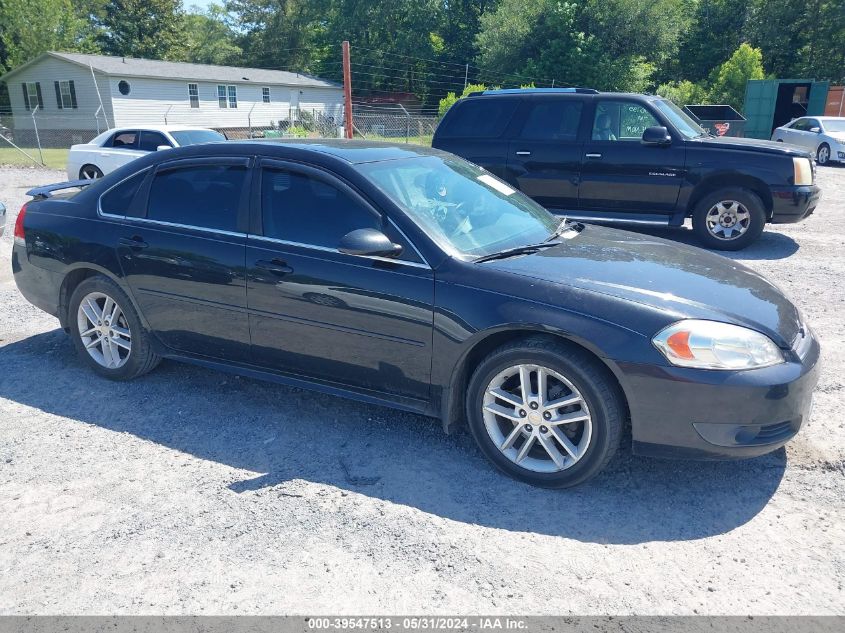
{"x": 354, "y": 151}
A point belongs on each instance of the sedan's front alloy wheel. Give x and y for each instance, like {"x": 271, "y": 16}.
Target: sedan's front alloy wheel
{"x": 545, "y": 413}
{"x": 107, "y": 331}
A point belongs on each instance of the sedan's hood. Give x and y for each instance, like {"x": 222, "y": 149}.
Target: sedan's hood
{"x": 685, "y": 281}
{"x": 837, "y": 136}
{"x": 751, "y": 145}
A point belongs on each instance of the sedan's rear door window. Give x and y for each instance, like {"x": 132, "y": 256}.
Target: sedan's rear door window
{"x": 204, "y": 196}
{"x": 127, "y": 139}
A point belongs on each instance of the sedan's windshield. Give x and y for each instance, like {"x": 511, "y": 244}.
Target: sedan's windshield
{"x": 195, "y": 137}
{"x": 682, "y": 122}
{"x": 461, "y": 206}
{"x": 834, "y": 125}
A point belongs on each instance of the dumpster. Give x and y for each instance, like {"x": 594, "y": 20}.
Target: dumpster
{"x": 770, "y": 103}
{"x": 720, "y": 120}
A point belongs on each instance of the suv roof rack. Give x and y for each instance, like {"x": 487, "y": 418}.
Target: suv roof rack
{"x": 520, "y": 91}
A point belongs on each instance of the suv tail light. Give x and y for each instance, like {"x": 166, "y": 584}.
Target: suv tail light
{"x": 20, "y": 237}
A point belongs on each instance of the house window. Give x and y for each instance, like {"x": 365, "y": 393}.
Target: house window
{"x": 265, "y": 94}
{"x": 221, "y": 96}
{"x": 233, "y": 96}
{"x": 32, "y": 96}
{"x": 65, "y": 94}
{"x": 194, "y": 95}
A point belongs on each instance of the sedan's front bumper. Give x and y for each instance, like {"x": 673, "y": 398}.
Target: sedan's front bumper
{"x": 707, "y": 414}
{"x": 793, "y": 204}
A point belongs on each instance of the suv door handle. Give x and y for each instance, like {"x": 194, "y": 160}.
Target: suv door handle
{"x": 276, "y": 266}
{"x": 136, "y": 242}
{"x": 523, "y": 153}
{"x": 593, "y": 155}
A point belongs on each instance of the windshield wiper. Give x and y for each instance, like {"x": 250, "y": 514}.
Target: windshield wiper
{"x": 564, "y": 224}
{"x": 519, "y": 250}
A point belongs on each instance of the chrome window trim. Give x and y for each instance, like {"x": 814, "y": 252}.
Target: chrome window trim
{"x": 192, "y": 227}
{"x": 326, "y": 249}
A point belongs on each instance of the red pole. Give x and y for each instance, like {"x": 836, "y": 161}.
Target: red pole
{"x": 347, "y": 90}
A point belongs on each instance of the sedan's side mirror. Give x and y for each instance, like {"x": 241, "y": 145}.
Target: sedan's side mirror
{"x": 816, "y": 130}
{"x": 656, "y": 135}
{"x": 161, "y": 147}
{"x": 368, "y": 242}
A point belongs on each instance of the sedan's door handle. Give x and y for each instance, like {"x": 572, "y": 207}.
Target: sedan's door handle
{"x": 276, "y": 266}
{"x": 523, "y": 153}
{"x": 593, "y": 155}
{"x": 136, "y": 241}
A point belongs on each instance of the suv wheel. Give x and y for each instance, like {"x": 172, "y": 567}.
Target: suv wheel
{"x": 823, "y": 154}
{"x": 729, "y": 219}
{"x": 543, "y": 413}
{"x": 107, "y": 332}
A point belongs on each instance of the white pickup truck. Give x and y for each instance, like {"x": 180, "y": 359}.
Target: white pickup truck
{"x": 114, "y": 148}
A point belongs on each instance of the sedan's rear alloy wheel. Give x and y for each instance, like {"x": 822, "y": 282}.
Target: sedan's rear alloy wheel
{"x": 90, "y": 172}
{"x": 107, "y": 331}
{"x": 545, "y": 413}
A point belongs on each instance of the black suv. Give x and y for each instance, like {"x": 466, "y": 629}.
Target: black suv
{"x": 630, "y": 158}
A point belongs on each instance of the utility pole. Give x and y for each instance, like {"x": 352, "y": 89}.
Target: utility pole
{"x": 466, "y": 75}
{"x": 347, "y": 89}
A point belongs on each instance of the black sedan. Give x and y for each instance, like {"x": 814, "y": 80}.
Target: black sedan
{"x": 411, "y": 278}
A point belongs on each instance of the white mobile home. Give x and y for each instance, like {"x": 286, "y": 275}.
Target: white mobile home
{"x": 72, "y": 96}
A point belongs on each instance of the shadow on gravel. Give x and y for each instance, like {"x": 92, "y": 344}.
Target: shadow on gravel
{"x": 285, "y": 435}
{"x": 770, "y": 245}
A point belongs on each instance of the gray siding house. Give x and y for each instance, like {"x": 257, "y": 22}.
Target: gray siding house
{"x": 74, "y": 96}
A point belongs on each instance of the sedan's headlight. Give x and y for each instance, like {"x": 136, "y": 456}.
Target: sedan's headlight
{"x": 803, "y": 171}
{"x": 715, "y": 345}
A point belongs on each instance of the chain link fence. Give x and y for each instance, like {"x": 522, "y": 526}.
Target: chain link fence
{"x": 42, "y": 138}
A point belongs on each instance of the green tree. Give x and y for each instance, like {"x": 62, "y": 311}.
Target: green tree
{"x": 31, "y": 27}
{"x": 449, "y": 100}
{"x": 210, "y": 39}
{"x": 715, "y": 31}
{"x": 153, "y": 29}
{"x": 606, "y": 44}
{"x": 729, "y": 80}
{"x": 683, "y": 92}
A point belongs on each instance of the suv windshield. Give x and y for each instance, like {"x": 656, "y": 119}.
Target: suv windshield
{"x": 464, "y": 208}
{"x": 195, "y": 137}
{"x": 682, "y": 122}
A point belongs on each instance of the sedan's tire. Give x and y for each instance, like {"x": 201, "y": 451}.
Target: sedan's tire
{"x": 823, "y": 154}
{"x": 90, "y": 172}
{"x": 107, "y": 331}
{"x": 729, "y": 219}
{"x": 558, "y": 432}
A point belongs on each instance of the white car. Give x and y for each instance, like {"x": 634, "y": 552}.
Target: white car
{"x": 822, "y": 135}
{"x": 116, "y": 147}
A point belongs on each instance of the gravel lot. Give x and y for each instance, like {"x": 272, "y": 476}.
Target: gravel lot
{"x": 191, "y": 491}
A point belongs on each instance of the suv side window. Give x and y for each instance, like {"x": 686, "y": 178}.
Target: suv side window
{"x": 478, "y": 118}
{"x": 151, "y": 140}
{"x": 621, "y": 121}
{"x": 124, "y": 140}
{"x": 301, "y": 208}
{"x": 205, "y": 196}
{"x": 552, "y": 119}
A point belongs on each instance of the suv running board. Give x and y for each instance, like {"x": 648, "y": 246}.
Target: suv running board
{"x": 650, "y": 219}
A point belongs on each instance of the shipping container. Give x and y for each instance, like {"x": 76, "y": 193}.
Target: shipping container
{"x": 769, "y": 103}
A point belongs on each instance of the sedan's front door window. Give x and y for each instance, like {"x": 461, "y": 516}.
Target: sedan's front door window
{"x": 150, "y": 141}
{"x": 204, "y": 196}
{"x": 300, "y": 208}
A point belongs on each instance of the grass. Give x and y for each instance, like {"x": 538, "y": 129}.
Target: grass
{"x": 416, "y": 140}
{"x": 54, "y": 158}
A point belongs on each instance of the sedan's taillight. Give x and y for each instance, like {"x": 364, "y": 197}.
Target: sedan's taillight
{"x": 20, "y": 237}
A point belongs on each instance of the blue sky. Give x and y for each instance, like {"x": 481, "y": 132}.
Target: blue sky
{"x": 200, "y": 3}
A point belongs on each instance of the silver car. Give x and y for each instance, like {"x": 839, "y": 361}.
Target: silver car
{"x": 822, "y": 135}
